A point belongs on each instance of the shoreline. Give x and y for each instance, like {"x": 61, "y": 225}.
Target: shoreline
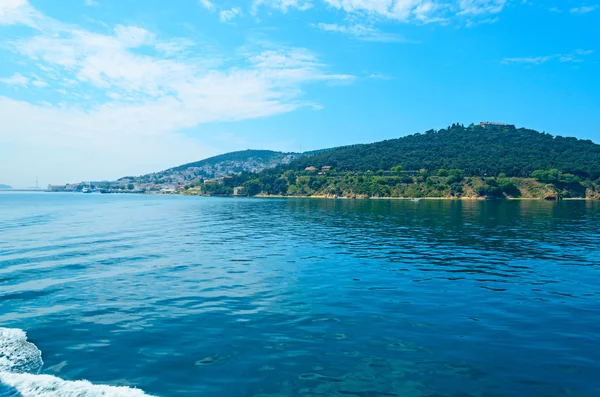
{"x": 323, "y": 197}
{"x": 263, "y": 196}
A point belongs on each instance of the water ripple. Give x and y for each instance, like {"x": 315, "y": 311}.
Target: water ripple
{"x": 241, "y": 297}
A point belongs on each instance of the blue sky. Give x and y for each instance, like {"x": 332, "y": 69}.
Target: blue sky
{"x": 98, "y": 89}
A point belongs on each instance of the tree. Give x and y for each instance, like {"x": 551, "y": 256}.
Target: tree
{"x": 509, "y": 188}
{"x": 397, "y": 168}
{"x": 488, "y": 190}
{"x": 130, "y": 186}
{"x": 514, "y": 152}
{"x": 252, "y": 187}
{"x": 547, "y": 176}
{"x": 456, "y": 189}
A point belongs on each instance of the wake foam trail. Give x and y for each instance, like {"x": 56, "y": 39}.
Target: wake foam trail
{"x": 28, "y": 385}
{"x": 17, "y": 354}
{"x": 20, "y": 361}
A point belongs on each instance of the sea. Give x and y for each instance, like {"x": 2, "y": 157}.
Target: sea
{"x": 140, "y": 295}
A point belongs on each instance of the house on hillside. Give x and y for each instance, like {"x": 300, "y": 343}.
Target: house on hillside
{"x": 491, "y": 124}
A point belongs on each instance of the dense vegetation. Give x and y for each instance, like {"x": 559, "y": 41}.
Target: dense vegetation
{"x": 443, "y": 184}
{"x": 454, "y": 162}
{"x": 474, "y": 150}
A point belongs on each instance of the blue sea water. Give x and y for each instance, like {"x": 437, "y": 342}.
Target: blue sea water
{"x": 175, "y": 296}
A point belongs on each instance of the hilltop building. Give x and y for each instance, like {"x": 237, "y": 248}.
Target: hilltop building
{"x": 492, "y": 124}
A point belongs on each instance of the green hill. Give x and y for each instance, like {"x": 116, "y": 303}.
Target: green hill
{"x": 242, "y": 156}
{"x": 488, "y": 160}
{"x": 474, "y": 150}
{"x": 456, "y": 162}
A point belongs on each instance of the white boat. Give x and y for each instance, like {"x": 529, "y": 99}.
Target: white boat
{"x": 86, "y": 190}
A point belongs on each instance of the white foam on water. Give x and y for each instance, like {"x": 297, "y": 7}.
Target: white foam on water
{"x": 17, "y": 354}
{"x": 20, "y": 361}
{"x": 29, "y": 385}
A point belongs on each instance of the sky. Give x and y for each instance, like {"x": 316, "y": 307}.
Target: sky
{"x": 99, "y": 89}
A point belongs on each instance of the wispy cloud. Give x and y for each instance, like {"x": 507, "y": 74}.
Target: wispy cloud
{"x": 480, "y": 7}
{"x": 209, "y": 5}
{"x": 576, "y": 57}
{"x": 420, "y": 11}
{"x": 91, "y": 3}
{"x": 583, "y": 9}
{"x": 379, "y": 76}
{"x": 530, "y": 60}
{"x": 14, "y": 12}
{"x": 16, "y": 79}
{"x": 228, "y": 15}
{"x": 133, "y": 36}
{"x": 361, "y": 32}
{"x": 487, "y": 21}
{"x": 172, "y": 47}
{"x": 284, "y": 5}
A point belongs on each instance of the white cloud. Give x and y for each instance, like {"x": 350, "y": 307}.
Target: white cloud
{"x": 584, "y": 52}
{"x": 583, "y": 9}
{"x": 16, "y": 79}
{"x": 209, "y": 5}
{"x": 133, "y": 36}
{"x": 379, "y": 76}
{"x": 17, "y": 12}
{"x": 530, "y": 60}
{"x": 120, "y": 110}
{"x": 479, "y": 7}
{"x": 284, "y": 5}
{"x": 361, "y": 32}
{"x": 91, "y": 3}
{"x": 228, "y": 15}
{"x": 174, "y": 46}
{"x": 423, "y": 11}
{"x": 40, "y": 83}
{"x": 575, "y": 56}
{"x": 485, "y": 21}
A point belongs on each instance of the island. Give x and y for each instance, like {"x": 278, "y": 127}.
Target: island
{"x": 480, "y": 161}
{"x": 5, "y": 187}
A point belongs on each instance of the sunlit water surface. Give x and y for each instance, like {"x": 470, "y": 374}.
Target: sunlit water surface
{"x": 174, "y": 296}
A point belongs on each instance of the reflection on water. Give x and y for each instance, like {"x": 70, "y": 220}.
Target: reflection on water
{"x": 244, "y": 297}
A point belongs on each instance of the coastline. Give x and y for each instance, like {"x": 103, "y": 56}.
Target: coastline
{"x": 324, "y": 197}
{"x": 265, "y": 196}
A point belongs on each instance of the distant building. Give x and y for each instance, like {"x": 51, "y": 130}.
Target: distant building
{"x": 311, "y": 168}
{"x": 326, "y": 168}
{"x": 72, "y": 187}
{"x": 56, "y": 188}
{"x": 239, "y": 191}
{"x": 492, "y": 124}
